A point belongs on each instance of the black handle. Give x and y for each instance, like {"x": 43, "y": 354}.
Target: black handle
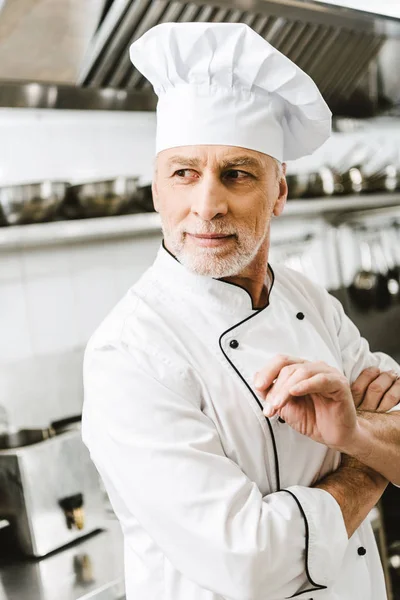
{"x": 61, "y": 423}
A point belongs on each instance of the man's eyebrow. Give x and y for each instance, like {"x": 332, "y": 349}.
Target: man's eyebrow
{"x": 183, "y": 160}
{"x": 229, "y": 163}
{"x": 241, "y": 161}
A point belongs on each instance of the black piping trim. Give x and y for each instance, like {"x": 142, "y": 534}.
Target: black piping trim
{"x": 278, "y": 482}
{"x": 166, "y": 249}
{"x": 278, "y": 479}
{"x": 303, "y": 514}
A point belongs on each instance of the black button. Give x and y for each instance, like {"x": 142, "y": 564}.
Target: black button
{"x": 282, "y": 421}
{"x": 234, "y": 344}
{"x": 300, "y": 316}
{"x": 361, "y": 551}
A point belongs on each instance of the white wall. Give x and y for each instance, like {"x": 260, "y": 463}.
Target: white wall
{"x": 74, "y": 145}
{"x": 51, "y": 301}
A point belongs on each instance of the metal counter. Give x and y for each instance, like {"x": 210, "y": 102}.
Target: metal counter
{"x": 91, "y": 568}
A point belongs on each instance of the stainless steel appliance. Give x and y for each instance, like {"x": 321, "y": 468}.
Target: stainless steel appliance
{"x": 91, "y": 568}
{"x": 49, "y": 493}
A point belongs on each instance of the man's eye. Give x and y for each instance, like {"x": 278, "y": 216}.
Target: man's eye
{"x": 183, "y": 173}
{"x": 236, "y": 174}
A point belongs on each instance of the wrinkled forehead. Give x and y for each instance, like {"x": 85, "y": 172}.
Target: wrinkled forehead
{"x": 220, "y": 157}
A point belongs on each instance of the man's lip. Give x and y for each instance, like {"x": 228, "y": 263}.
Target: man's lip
{"x": 210, "y": 235}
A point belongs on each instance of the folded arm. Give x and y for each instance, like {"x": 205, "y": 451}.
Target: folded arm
{"x": 376, "y": 443}
{"x": 163, "y": 464}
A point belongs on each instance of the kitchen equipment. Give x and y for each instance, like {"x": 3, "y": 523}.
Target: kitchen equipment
{"x": 320, "y": 183}
{"x": 379, "y": 167}
{"x": 390, "y": 279}
{"x": 90, "y": 569}
{"x": 142, "y": 200}
{"x": 383, "y": 298}
{"x": 383, "y": 179}
{"x": 313, "y": 184}
{"x": 297, "y": 185}
{"x": 363, "y": 289}
{"x": 347, "y": 171}
{"x": 350, "y": 181}
{"x": 25, "y": 437}
{"x": 100, "y": 198}
{"x": 49, "y": 493}
{"x": 31, "y": 202}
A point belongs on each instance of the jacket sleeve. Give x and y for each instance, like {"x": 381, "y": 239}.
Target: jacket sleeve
{"x": 355, "y": 351}
{"x": 162, "y": 463}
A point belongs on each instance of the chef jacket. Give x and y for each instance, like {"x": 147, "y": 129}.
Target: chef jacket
{"x": 214, "y": 499}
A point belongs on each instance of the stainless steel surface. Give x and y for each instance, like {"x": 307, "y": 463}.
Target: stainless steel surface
{"x": 35, "y": 95}
{"x": 333, "y": 45}
{"x": 100, "y": 198}
{"x": 45, "y": 40}
{"x": 91, "y": 568}
{"x": 312, "y": 184}
{"x": 35, "y": 479}
{"x": 31, "y": 203}
{"x": 45, "y": 45}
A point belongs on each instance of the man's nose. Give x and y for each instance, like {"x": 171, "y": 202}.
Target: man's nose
{"x": 209, "y": 199}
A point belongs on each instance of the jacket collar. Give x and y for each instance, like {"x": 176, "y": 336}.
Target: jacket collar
{"x": 211, "y": 292}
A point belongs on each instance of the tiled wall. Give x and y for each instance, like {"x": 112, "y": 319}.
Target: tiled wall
{"x": 51, "y": 300}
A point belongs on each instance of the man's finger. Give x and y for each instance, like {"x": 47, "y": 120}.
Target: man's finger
{"x": 360, "y": 385}
{"x": 265, "y": 377}
{"x": 301, "y": 376}
{"x": 376, "y": 390}
{"x": 391, "y": 398}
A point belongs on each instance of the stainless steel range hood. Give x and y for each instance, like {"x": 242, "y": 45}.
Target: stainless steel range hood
{"x": 46, "y": 40}
{"x": 338, "y": 47}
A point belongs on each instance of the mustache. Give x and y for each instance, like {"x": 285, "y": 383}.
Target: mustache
{"x": 203, "y": 231}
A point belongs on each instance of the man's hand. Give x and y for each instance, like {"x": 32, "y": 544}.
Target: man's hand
{"x": 376, "y": 390}
{"x": 312, "y": 397}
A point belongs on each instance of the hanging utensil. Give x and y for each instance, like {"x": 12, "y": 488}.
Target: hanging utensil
{"x": 362, "y": 290}
{"x": 383, "y": 299}
{"x": 26, "y": 437}
{"x": 393, "y": 248}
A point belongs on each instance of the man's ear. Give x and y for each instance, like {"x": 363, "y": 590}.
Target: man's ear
{"x": 283, "y": 192}
{"x": 154, "y": 191}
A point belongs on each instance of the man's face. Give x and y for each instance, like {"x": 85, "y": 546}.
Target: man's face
{"x": 216, "y": 190}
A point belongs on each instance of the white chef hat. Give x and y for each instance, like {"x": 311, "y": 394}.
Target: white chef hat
{"x": 222, "y": 83}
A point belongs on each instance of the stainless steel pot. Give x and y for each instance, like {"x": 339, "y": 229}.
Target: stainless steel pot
{"x": 311, "y": 185}
{"x": 31, "y": 202}
{"x": 297, "y": 185}
{"x": 100, "y": 198}
{"x": 321, "y": 183}
{"x": 383, "y": 180}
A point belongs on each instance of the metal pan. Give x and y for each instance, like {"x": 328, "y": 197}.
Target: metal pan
{"x": 26, "y": 437}
{"x": 100, "y": 198}
{"x": 31, "y": 202}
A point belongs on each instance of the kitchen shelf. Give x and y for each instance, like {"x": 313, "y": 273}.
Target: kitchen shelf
{"x": 65, "y": 232}
{"x": 339, "y": 204}
{"x": 81, "y": 230}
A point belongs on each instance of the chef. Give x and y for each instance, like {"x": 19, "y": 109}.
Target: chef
{"x": 241, "y": 425}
